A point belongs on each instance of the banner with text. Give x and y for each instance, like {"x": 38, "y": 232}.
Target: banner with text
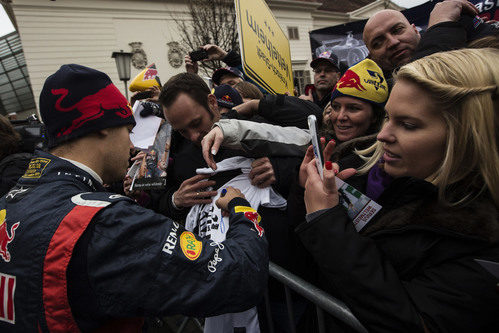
{"x": 265, "y": 50}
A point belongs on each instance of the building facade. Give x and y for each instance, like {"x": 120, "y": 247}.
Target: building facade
{"x": 87, "y": 32}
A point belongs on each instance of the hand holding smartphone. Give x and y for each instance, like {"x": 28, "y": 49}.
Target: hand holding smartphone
{"x": 319, "y": 163}
{"x": 198, "y": 55}
{"x": 309, "y": 88}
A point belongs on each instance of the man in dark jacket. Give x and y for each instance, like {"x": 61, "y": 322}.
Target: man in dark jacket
{"x": 74, "y": 257}
{"x": 192, "y": 110}
{"x": 326, "y": 69}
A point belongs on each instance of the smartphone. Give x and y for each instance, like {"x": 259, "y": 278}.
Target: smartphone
{"x": 198, "y": 55}
{"x": 309, "y": 88}
{"x": 319, "y": 163}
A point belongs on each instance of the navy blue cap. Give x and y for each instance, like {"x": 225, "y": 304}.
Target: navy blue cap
{"x": 328, "y": 57}
{"x": 217, "y": 75}
{"x": 227, "y": 96}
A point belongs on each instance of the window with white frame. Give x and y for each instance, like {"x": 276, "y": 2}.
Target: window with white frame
{"x": 302, "y": 78}
{"x": 293, "y": 33}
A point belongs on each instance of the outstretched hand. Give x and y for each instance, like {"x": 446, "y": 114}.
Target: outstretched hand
{"x": 248, "y": 109}
{"x": 451, "y": 10}
{"x": 327, "y": 152}
{"x": 210, "y": 144}
{"x": 231, "y": 193}
{"x": 262, "y": 173}
{"x": 215, "y": 52}
{"x": 193, "y": 191}
{"x": 190, "y": 65}
{"x": 323, "y": 194}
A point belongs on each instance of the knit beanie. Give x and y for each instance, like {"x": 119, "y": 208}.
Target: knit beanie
{"x": 364, "y": 81}
{"x": 227, "y": 97}
{"x": 78, "y": 100}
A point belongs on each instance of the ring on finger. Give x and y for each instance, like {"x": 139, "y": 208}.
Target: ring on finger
{"x": 197, "y": 194}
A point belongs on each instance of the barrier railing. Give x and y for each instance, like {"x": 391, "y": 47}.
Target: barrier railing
{"x": 322, "y": 301}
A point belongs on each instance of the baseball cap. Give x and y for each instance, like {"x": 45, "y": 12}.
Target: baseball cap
{"x": 227, "y": 96}
{"x": 217, "y": 75}
{"x": 326, "y": 56}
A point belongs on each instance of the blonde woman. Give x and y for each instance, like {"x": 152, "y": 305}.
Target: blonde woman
{"x": 434, "y": 170}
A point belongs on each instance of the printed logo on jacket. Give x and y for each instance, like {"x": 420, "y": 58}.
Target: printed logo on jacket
{"x": 5, "y": 238}
{"x": 251, "y": 215}
{"x": 7, "y": 290}
{"x": 190, "y": 245}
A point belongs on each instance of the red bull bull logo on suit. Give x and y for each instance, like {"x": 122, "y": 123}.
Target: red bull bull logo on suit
{"x": 251, "y": 215}
{"x": 5, "y": 238}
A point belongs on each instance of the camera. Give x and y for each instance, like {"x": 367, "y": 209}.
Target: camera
{"x": 32, "y": 133}
{"x": 198, "y": 55}
{"x": 151, "y": 108}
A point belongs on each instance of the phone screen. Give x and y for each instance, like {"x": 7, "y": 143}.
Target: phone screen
{"x": 312, "y": 125}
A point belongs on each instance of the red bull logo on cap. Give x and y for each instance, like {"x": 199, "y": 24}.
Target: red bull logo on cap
{"x": 151, "y": 73}
{"x": 5, "y": 238}
{"x": 190, "y": 245}
{"x": 251, "y": 215}
{"x": 325, "y": 54}
{"x": 226, "y": 98}
{"x": 350, "y": 80}
{"x": 91, "y": 107}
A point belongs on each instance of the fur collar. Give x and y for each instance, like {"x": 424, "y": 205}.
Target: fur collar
{"x": 347, "y": 147}
{"x": 478, "y": 218}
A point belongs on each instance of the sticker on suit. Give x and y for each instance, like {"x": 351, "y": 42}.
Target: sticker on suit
{"x": 251, "y": 215}
{"x": 190, "y": 246}
{"x": 36, "y": 167}
{"x": 5, "y": 238}
{"x": 7, "y": 290}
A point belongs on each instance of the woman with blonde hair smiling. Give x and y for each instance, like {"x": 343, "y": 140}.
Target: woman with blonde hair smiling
{"x": 434, "y": 170}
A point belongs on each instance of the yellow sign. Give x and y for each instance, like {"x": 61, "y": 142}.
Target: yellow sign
{"x": 264, "y": 47}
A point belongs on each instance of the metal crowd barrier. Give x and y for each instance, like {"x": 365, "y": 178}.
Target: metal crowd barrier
{"x": 322, "y": 301}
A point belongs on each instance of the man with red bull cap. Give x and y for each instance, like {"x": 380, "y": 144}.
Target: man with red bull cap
{"x": 76, "y": 258}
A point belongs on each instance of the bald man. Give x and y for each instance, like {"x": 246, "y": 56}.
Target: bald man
{"x": 391, "y": 39}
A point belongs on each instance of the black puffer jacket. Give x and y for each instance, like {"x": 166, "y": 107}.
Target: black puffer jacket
{"x": 12, "y": 168}
{"x": 412, "y": 263}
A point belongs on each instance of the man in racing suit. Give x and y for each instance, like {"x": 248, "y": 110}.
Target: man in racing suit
{"x": 75, "y": 258}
